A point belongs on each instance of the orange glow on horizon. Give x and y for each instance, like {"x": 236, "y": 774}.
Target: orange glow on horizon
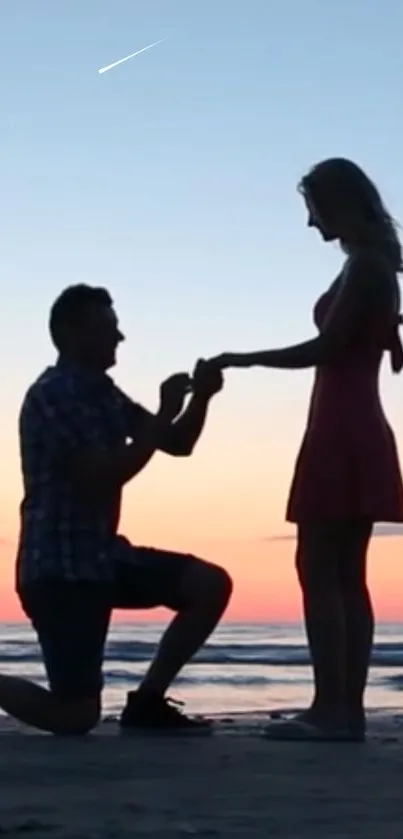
{"x": 266, "y": 589}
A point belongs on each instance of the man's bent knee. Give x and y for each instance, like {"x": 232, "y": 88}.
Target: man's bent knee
{"x": 221, "y": 583}
{"x": 77, "y": 716}
{"x": 207, "y": 583}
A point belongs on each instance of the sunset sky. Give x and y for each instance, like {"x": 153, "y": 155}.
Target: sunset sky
{"x": 172, "y": 180}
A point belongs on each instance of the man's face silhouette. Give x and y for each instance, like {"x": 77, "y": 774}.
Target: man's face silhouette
{"x": 97, "y": 336}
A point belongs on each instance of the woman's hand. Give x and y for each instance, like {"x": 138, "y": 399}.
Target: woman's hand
{"x": 226, "y": 359}
{"x": 207, "y": 379}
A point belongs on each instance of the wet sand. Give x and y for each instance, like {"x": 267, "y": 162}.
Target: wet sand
{"x": 234, "y": 784}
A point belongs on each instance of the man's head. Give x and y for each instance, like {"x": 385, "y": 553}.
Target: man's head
{"x": 84, "y": 327}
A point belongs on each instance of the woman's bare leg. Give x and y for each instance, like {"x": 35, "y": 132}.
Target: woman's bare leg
{"x": 359, "y": 618}
{"x": 318, "y": 572}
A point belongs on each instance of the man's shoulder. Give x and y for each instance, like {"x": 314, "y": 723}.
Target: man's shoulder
{"x": 50, "y": 384}
{"x": 133, "y": 409}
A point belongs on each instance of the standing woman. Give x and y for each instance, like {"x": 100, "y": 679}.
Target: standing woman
{"x": 347, "y": 474}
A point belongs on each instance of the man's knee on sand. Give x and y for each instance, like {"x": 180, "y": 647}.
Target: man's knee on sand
{"x": 76, "y": 716}
{"x": 206, "y": 585}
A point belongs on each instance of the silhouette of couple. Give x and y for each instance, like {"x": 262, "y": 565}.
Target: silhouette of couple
{"x": 82, "y": 440}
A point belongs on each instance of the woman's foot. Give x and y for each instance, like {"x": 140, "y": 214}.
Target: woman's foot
{"x": 331, "y": 720}
{"x": 296, "y": 730}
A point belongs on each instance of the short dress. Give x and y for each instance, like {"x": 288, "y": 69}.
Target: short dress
{"x": 348, "y": 466}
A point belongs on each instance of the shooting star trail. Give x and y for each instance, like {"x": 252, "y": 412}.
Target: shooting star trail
{"x": 127, "y": 57}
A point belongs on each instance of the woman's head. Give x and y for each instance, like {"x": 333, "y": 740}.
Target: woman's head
{"x": 344, "y": 204}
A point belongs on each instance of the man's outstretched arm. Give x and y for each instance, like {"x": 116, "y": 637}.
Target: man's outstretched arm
{"x": 181, "y": 436}
{"x": 71, "y": 444}
{"x": 180, "y": 439}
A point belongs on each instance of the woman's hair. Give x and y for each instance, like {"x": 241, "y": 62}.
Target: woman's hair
{"x": 337, "y": 186}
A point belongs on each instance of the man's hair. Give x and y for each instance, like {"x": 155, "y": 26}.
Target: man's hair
{"x": 69, "y": 308}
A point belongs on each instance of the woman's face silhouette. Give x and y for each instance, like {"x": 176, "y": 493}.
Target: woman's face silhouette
{"x": 315, "y": 220}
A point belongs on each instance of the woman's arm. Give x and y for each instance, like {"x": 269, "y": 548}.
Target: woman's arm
{"x": 308, "y": 354}
{"x": 365, "y": 283}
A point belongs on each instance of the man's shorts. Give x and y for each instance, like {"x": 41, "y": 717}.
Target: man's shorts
{"x": 71, "y": 619}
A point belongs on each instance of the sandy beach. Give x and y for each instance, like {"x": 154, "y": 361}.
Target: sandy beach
{"x": 231, "y": 785}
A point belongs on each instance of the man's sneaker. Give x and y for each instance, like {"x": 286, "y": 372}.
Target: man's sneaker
{"x": 160, "y": 715}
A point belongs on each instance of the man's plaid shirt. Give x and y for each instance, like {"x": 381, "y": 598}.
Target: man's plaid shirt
{"x": 63, "y": 536}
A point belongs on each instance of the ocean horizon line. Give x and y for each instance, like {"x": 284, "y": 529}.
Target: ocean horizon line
{"x": 286, "y": 622}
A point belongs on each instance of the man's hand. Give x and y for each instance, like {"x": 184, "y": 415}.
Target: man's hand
{"x": 207, "y": 379}
{"x": 173, "y": 393}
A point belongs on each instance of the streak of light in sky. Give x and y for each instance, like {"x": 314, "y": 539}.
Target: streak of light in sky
{"x": 132, "y": 55}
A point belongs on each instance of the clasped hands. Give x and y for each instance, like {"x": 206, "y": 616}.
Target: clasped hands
{"x": 207, "y": 379}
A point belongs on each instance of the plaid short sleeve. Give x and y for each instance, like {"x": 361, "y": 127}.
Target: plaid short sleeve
{"x": 135, "y": 416}
{"x": 52, "y": 421}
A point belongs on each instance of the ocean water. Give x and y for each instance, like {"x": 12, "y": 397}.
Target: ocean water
{"x": 243, "y": 668}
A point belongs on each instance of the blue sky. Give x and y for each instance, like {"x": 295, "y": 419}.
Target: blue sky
{"x": 172, "y": 180}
